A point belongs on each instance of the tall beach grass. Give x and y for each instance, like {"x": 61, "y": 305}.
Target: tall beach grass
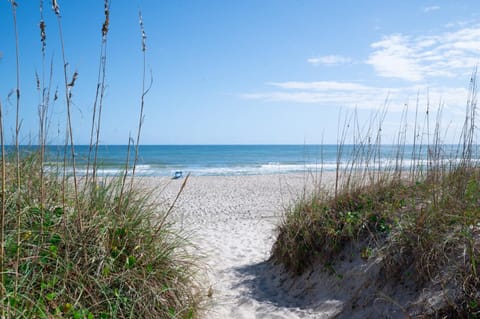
{"x": 80, "y": 246}
{"x": 421, "y": 221}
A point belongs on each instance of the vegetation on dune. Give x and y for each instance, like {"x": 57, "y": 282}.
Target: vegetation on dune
{"x": 80, "y": 247}
{"x": 421, "y": 222}
{"x": 119, "y": 264}
{"x": 320, "y": 227}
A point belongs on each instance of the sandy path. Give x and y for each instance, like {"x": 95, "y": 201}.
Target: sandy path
{"x": 232, "y": 220}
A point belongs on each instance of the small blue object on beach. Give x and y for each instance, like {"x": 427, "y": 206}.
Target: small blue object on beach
{"x": 177, "y": 175}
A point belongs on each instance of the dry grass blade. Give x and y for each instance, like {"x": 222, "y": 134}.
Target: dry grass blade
{"x": 68, "y": 99}
{"x": 164, "y": 218}
{"x": 17, "y": 144}
{"x": 2, "y": 220}
{"x": 99, "y": 95}
{"x": 145, "y": 91}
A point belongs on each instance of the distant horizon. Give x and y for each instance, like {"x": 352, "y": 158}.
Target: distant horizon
{"x": 312, "y": 144}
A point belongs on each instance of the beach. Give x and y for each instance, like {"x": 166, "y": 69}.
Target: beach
{"x": 232, "y": 220}
{"x": 231, "y": 223}
{"x": 240, "y": 160}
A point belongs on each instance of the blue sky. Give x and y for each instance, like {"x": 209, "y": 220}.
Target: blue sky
{"x": 245, "y": 72}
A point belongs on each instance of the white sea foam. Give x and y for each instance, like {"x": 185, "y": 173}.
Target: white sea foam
{"x": 259, "y": 169}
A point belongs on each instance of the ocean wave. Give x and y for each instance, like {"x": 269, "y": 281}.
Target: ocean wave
{"x": 253, "y": 169}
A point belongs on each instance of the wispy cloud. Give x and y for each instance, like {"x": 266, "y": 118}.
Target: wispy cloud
{"x": 424, "y": 57}
{"x": 349, "y": 94}
{"x": 393, "y": 57}
{"x": 420, "y": 60}
{"x": 430, "y": 9}
{"x": 329, "y": 60}
{"x": 459, "y": 24}
{"x": 324, "y": 92}
{"x": 321, "y": 86}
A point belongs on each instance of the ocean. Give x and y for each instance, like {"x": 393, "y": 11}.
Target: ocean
{"x": 165, "y": 160}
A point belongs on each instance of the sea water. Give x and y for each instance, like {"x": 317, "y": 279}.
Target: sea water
{"x": 227, "y": 160}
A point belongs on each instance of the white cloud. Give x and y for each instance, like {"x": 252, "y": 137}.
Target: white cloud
{"x": 324, "y": 92}
{"x": 431, "y": 8}
{"x": 424, "y": 57}
{"x": 320, "y": 86}
{"x": 329, "y": 60}
{"x": 335, "y": 99}
{"x": 460, "y": 24}
{"x": 347, "y": 94}
{"x": 393, "y": 58}
{"x": 422, "y": 61}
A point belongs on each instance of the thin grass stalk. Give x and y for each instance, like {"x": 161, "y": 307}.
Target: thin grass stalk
{"x": 340, "y": 146}
{"x": 363, "y": 138}
{"x": 369, "y": 152}
{"x": 378, "y": 139}
{"x": 42, "y": 110}
{"x": 105, "y": 28}
{"x": 437, "y": 167}
{"x": 365, "y": 134}
{"x": 322, "y": 163}
{"x": 427, "y": 122}
{"x": 68, "y": 133}
{"x": 97, "y": 130}
{"x": 64, "y": 197}
{"x": 124, "y": 177}
{"x": 473, "y": 111}
{"x": 469, "y": 134}
{"x": 48, "y": 92}
{"x": 355, "y": 148}
{"x": 359, "y": 147}
{"x": 2, "y": 220}
{"x": 466, "y": 124}
{"x": 473, "y": 258}
{"x": 102, "y": 94}
{"x": 17, "y": 145}
{"x": 358, "y": 137}
{"x": 413, "y": 166}
{"x": 469, "y": 125}
{"x": 401, "y": 142}
{"x": 351, "y": 161}
{"x": 94, "y": 114}
{"x": 142, "y": 100}
{"x": 68, "y": 87}
{"x": 64, "y": 174}
{"x": 422, "y": 146}
{"x": 99, "y": 95}
{"x": 165, "y": 216}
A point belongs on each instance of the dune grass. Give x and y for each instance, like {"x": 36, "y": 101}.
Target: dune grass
{"x": 122, "y": 263}
{"x": 422, "y": 222}
{"x": 81, "y": 246}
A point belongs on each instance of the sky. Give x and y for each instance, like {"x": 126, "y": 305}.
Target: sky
{"x": 243, "y": 72}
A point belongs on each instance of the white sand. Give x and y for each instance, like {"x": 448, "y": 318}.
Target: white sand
{"x": 232, "y": 221}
